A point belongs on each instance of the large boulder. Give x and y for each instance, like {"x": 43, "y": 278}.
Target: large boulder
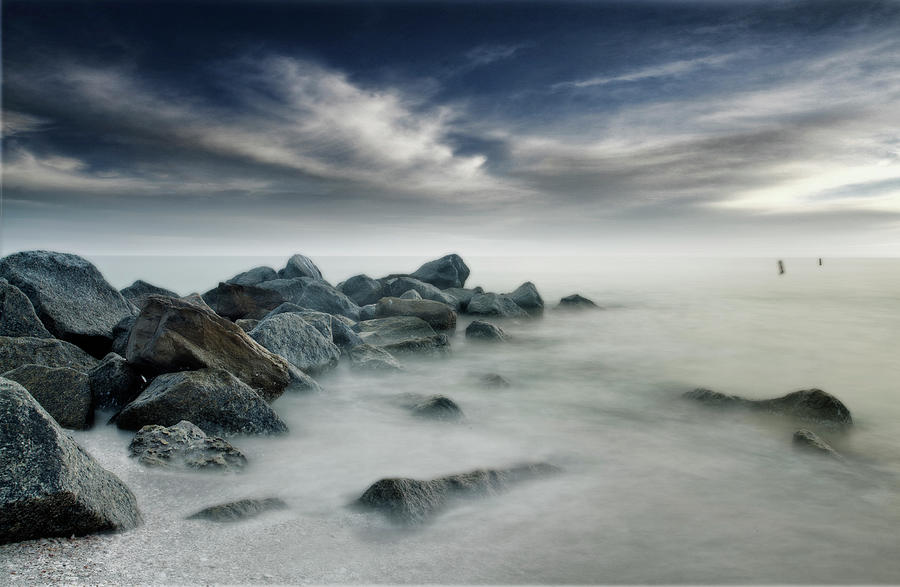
{"x": 576, "y": 302}
{"x": 290, "y": 336}
{"x": 174, "y": 335}
{"x": 526, "y": 296}
{"x": 413, "y": 501}
{"x": 382, "y": 331}
{"x": 49, "y": 486}
{"x": 184, "y": 446}
{"x": 366, "y": 357}
{"x": 65, "y": 393}
{"x": 121, "y": 333}
{"x": 242, "y": 301}
{"x": 17, "y": 316}
{"x": 213, "y": 399}
{"x": 448, "y": 271}
{"x": 367, "y": 312}
{"x": 813, "y": 405}
{"x": 439, "y": 316}
{"x": 114, "y": 382}
{"x": 435, "y": 407}
{"x": 239, "y": 510}
{"x": 314, "y": 294}
{"x": 362, "y": 289}
{"x": 491, "y": 304}
{"x": 343, "y": 334}
{"x": 300, "y": 266}
{"x": 462, "y": 296}
{"x": 138, "y": 292}
{"x": 254, "y": 276}
{"x": 399, "y": 286}
{"x": 481, "y": 330}
{"x": 70, "y": 297}
{"x": 50, "y": 352}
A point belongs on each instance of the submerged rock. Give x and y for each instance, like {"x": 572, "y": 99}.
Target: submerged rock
{"x": 213, "y": 399}
{"x": 809, "y": 440}
{"x": 439, "y": 316}
{"x": 481, "y": 330}
{"x": 436, "y": 407}
{"x": 138, "y": 292}
{"x": 235, "y": 301}
{"x": 808, "y": 404}
{"x": 576, "y": 302}
{"x": 50, "y": 352}
{"x": 448, "y": 271}
{"x": 184, "y": 445}
{"x": 491, "y": 304}
{"x": 526, "y": 296}
{"x": 372, "y": 358}
{"x": 254, "y": 276}
{"x": 17, "y": 315}
{"x": 300, "y": 266}
{"x": 363, "y": 290}
{"x": 65, "y": 393}
{"x": 114, "y": 382}
{"x": 493, "y": 380}
{"x": 413, "y": 501}
{"x": 49, "y": 486}
{"x": 239, "y": 510}
{"x": 290, "y": 336}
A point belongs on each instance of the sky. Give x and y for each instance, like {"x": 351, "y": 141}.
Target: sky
{"x": 695, "y": 128}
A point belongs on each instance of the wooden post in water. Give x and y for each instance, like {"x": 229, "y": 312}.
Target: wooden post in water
{"x": 780, "y": 267}
{"x": 820, "y": 261}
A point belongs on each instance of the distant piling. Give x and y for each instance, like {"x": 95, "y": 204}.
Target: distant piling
{"x": 780, "y": 267}
{"x": 820, "y": 261}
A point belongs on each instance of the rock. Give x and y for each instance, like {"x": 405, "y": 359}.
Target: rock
{"x": 254, "y": 276}
{"x": 439, "y": 316}
{"x": 437, "y": 407}
{"x": 242, "y": 301}
{"x": 300, "y": 266}
{"x": 526, "y": 296}
{"x": 411, "y": 295}
{"x": 300, "y": 381}
{"x": 809, "y": 404}
{"x": 491, "y": 304}
{"x": 239, "y": 510}
{"x": 50, "y": 352}
{"x": 290, "y": 336}
{"x": 400, "y": 285}
{"x": 343, "y": 335}
{"x": 174, "y": 335}
{"x": 337, "y": 328}
{"x": 372, "y": 358}
{"x": 462, "y": 296}
{"x": 247, "y": 324}
{"x": 448, "y": 271}
{"x": 481, "y": 330}
{"x": 121, "y": 332}
{"x": 213, "y": 399}
{"x": 17, "y": 316}
{"x": 114, "y": 382}
{"x": 49, "y": 486}
{"x": 285, "y": 308}
{"x": 367, "y": 312}
{"x": 413, "y": 501}
{"x": 382, "y": 331}
{"x": 576, "y": 302}
{"x": 313, "y": 294}
{"x": 70, "y": 297}
{"x": 318, "y": 320}
{"x": 808, "y": 440}
{"x": 137, "y": 292}
{"x": 493, "y": 380}
{"x": 65, "y": 393}
{"x": 184, "y": 446}
{"x": 437, "y": 344}
{"x": 197, "y": 301}
{"x": 362, "y": 289}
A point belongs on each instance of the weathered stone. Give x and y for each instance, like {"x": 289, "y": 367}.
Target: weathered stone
{"x": 50, "y": 352}
{"x": 70, "y": 297}
{"x": 400, "y": 285}
{"x": 314, "y": 294}
{"x": 196, "y": 300}
{"x": 372, "y": 358}
{"x": 410, "y": 295}
{"x": 242, "y": 301}
{"x": 462, "y": 296}
{"x": 809, "y": 404}
{"x": 436, "y": 407}
{"x": 576, "y": 302}
{"x": 343, "y": 335}
{"x": 213, "y": 399}
{"x": 174, "y": 335}
{"x": 300, "y": 381}
{"x": 526, "y": 296}
{"x": 493, "y": 380}
{"x": 367, "y": 312}
{"x": 254, "y": 276}
{"x": 381, "y": 331}
{"x": 121, "y": 333}
{"x": 362, "y": 289}
{"x": 239, "y": 510}
{"x": 437, "y": 344}
{"x": 64, "y": 393}
{"x": 17, "y": 316}
{"x": 247, "y": 324}
{"x": 290, "y": 336}
{"x": 414, "y": 501}
{"x": 491, "y": 304}
{"x": 49, "y": 486}
{"x": 439, "y": 316}
{"x": 184, "y": 445}
{"x": 137, "y": 292}
{"x": 448, "y": 271}
{"x": 300, "y": 266}
{"x": 809, "y": 440}
{"x": 481, "y": 330}
{"x": 114, "y": 382}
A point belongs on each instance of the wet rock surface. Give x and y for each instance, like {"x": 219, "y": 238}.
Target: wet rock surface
{"x": 239, "y": 510}
{"x": 812, "y": 405}
{"x": 65, "y": 393}
{"x": 184, "y": 445}
{"x": 17, "y": 315}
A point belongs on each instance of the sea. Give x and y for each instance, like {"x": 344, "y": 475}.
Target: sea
{"x": 654, "y": 488}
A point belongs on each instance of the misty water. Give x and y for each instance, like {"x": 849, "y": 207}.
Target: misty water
{"x": 654, "y": 488}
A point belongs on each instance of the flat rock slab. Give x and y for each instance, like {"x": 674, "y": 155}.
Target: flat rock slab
{"x": 65, "y": 393}
{"x": 50, "y": 352}
{"x": 186, "y": 446}
{"x": 239, "y": 510}
{"x": 812, "y": 405}
{"x": 438, "y": 315}
{"x": 382, "y": 331}
{"x": 49, "y": 486}
{"x": 17, "y": 315}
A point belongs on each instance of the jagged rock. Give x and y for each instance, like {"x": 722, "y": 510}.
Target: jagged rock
{"x": 300, "y": 381}
{"x": 576, "y": 302}
{"x": 493, "y": 380}
{"x": 367, "y": 312}
{"x": 362, "y": 289}
{"x": 382, "y": 331}
{"x": 196, "y": 300}
{"x": 114, "y": 382}
{"x": 121, "y": 332}
{"x": 50, "y": 352}
{"x": 300, "y": 266}
{"x": 462, "y": 296}
{"x": 413, "y": 501}
{"x": 65, "y": 393}
{"x": 313, "y": 294}
{"x": 436, "y": 407}
{"x": 49, "y": 486}
{"x": 254, "y": 276}
{"x": 481, "y": 330}
{"x": 526, "y": 296}
{"x": 17, "y": 316}
{"x": 239, "y": 510}
{"x": 242, "y": 301}
{"x": 213, "y": 399}
{"x": 437, "y": 344}
{"x": 372, "y": 358}
{"x": 318, "y": 320}
{"x": 343, "y": 334}
{"x": 400, "y": 285}
{"x": 448, "y": 271}
{"x": 174, "y": 335}
{"x": 491, "y": 304}
{"x": 70, "y": 297}
{"x": 247, "y": 324}
{"x": 439, "y": 316}
{"x": 410, "y": 295}
{"x": 137, "y": 292}
{"x": 808, "y": 404}
{"x": 290, "y": 336}
{"x": 809, "y": 440}
{"x": 184, "y": 445}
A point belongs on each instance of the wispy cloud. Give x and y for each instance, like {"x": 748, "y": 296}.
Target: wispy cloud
{"x": 670, "y": 69}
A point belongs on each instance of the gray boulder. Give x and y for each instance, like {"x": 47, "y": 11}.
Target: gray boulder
{"x": 50, "y": 352}
{"x": 184, "y": 446}
{"x": 481, "y": 330}
{"x": 213, "y": 399}
{"x": 137, "y": 292}
{"x": 121, "y": 332}
{"x": 300, "y": 266}
{"x": 114, "y": 382}
{"x": 526, "y": 296}
{"x": 197, "y": 301}
{"x": 437, "y": 344}
{"x": 439, "y": 316}
{"x": 362, "y": 289}
{"x": 448, "y": 271}
{"x": 436, "y": 407}
{"x": 64, "y": 393}
{"x": 300, "y": 381}
{"x": 576, "y": 302}
{"x": 254, "y": 276}
{"x": 366, "y": 357}
{"x": 239, "y": 510}
{"x": 49, "y": 486}
{"x": 400, "y": 285}
{"x": 17, "y": 316}
{"x": 810, "y": 441}
{"x": 290, "y": 336}
{"x": 174, "y": 335}
{"x": 411, "y": 295}
{"x": 367, "y": 312}
{"x": 462, "y": 296}
{"x": 413, "y": 501}
{"x": 242, "y": 301}
{"x": 813, "y": 405}
{"x": 314, "y": 294}
{"x": 70, "y": 297}
{"x": 491, "y": 304}
{"x": 382, "y": 331}
{"x": 343, "y": 335}
{"x": 493, "y": 380}
{"x": 285, "y": 308}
